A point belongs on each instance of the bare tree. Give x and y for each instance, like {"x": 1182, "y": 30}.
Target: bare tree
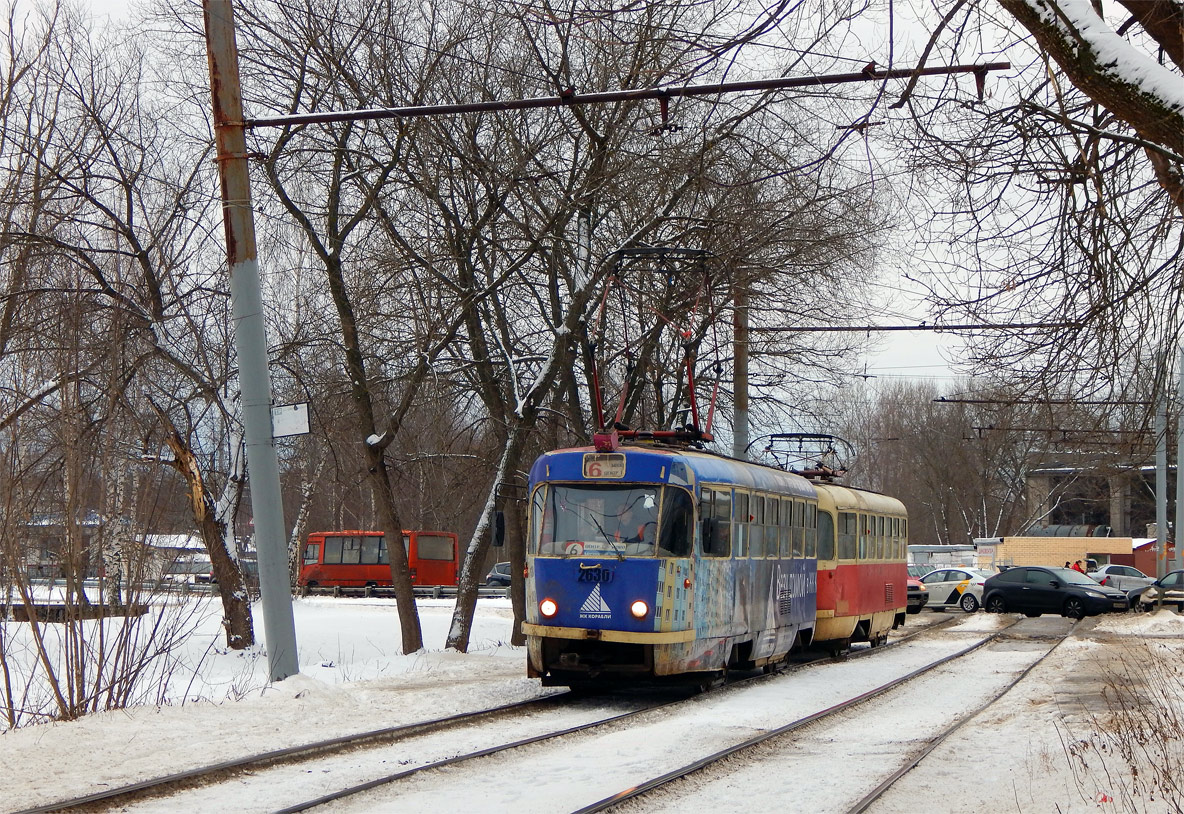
{"x": 1058, "y": 198}
{"x": 119, "y": 207}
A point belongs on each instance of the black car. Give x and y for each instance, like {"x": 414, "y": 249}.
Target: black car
{"x": 498, "y": 575}
{"x": 1033, "y": 590}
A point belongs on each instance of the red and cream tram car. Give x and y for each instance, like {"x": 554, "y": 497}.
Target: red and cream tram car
{"x": 862, "y": 577}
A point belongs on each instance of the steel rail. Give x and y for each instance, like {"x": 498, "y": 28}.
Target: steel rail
{"x": 288, "y": 754}
{"x": 938, "y": 740}
{"x": 391, "y": 778}
{"x": 694, "y": 766}
{"x": 192, "y": 778}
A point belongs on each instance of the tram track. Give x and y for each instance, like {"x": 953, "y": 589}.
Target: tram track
{"x": 941, "y": 737}
{"x": 388, "y": 779}
{"x": 169, "y": 786}
{"x": 641, "y": 793}
{"x": 639, "y": 790}
{"x": 203, "y": 775}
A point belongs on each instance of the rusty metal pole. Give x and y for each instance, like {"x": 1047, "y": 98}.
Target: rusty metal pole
{"x": 250, "y": 340}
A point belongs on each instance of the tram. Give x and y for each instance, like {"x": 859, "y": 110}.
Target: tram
{"x": 654, "y": 562}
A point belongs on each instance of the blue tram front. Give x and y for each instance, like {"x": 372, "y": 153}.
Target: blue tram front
{"x": 648, "y": 563}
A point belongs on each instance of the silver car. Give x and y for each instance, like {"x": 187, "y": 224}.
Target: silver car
{"x": 1122, "y": 577}
{"x": 1168, "y": 590}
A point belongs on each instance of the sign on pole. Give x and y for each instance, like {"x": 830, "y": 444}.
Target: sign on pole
{"x": 289, "y": 419}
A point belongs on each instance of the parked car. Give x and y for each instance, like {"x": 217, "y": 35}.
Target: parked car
{"x": 919, "y": 571}
{"x": 956, "y": 588}
{"x": 1122, "y": 577}
{"x": 498, "y": 575}
{"x": 1033, "y": 590}
{"x": 918, "y": 595}
{"x": 1168, "y": 590}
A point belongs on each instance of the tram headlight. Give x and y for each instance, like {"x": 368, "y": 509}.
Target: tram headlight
{"x": 639, "y": 609}
{"x": 548, "y": 608}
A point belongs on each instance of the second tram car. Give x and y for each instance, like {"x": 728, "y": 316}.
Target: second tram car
{"x": 862, "y": 576}
{"x": 650, "y": 562}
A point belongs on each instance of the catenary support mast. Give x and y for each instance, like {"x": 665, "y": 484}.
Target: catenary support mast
{"x": 1178, "y": 560}
{"x": 250, "y": 340}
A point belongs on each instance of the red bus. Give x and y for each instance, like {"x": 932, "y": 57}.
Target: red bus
{"x": 359, "y": 559}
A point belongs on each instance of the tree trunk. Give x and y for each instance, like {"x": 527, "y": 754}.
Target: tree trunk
{"x": 236, "y": 608}
{"x": 466, "y": 591}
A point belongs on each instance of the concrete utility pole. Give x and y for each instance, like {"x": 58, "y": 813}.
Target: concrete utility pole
{"x": 246, "y": 301}
{"x": 1178, "y": 560}
{"x": 740, "y": 368}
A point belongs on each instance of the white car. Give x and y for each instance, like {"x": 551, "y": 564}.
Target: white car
{"x": 956, "y": 588}
{"x": 1122, "y": 577}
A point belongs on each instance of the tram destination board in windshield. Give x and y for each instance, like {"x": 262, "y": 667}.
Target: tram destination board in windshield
{"x": 604, "y": 465}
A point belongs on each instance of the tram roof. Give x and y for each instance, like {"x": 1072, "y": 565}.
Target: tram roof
{"x": 661, "y": 465}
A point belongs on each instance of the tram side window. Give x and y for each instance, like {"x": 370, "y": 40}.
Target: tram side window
{"x": 772, "y": 526}
{"x": 786, "y": 533}
{"x": 863, "y": 532}
{"x": 848, "y": 523}
{"x": 384, "y": 557}
{"x": 811, "y": 536}
{"x": 740, "y": 533}
{"x": 716, "y": 507}
{"x": 678, "y": 517}
{"x": 756, "y": 529}
{"x": 799, "y": 532}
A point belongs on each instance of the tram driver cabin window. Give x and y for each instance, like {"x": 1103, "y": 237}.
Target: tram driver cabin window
{"x": 678, "y": 517}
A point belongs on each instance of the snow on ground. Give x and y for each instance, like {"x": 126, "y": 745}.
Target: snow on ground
{"x": 353, "y": 679}
{"x": 1012, "y": 758}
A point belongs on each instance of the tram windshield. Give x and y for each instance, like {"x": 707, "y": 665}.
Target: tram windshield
{"x": 623, "y": 521}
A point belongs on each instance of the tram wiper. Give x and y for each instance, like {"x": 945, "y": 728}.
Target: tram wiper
{"x": 609, "y": 539}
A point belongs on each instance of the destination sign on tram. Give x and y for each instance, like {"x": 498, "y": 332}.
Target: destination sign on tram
{"x": 604, "y": 465}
